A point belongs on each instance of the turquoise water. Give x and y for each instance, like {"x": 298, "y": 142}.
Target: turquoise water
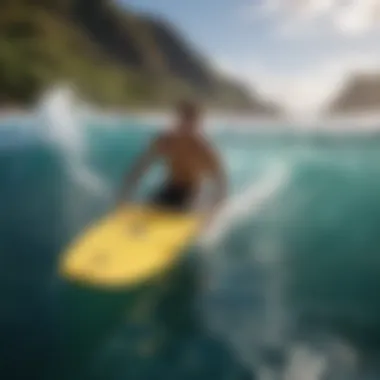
{"x": 297, "y": 264}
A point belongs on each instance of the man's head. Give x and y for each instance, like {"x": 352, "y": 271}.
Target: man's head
{"x": 188, "y": 114}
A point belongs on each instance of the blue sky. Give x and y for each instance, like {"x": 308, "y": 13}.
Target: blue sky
{"x": 308, "y": 46}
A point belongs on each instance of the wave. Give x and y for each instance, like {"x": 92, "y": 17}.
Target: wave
{"x": 245, "y": 204}
{"x": 63, "y": 127}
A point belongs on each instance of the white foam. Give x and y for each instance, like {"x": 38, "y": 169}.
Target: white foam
{"x": 62, "y": 126}
{"x": 245, "y": 204}
{"x": 305, "y": 364}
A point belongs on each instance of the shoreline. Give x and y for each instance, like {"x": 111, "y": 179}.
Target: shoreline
{"x": 238, "y": 121}
{"x": 14, "y": 111}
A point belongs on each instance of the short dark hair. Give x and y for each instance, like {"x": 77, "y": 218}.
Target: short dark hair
{"x": 188, "y": 108}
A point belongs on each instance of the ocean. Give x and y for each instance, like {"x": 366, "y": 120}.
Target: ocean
{"x": 285, "y": 286}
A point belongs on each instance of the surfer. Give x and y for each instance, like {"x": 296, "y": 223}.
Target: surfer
{"x": 189, "y": 158}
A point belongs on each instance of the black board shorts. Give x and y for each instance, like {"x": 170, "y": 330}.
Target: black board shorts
{"x": 173, "y": 196}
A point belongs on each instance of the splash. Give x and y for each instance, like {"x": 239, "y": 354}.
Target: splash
{"x": 258, "y": 277}
{"x": 243, "y": 205}
{"x": 62, "y": 127}
{"x": 262, "y": 327}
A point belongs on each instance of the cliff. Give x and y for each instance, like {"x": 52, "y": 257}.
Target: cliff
{"x": 361, "y": 94}
{"x": 114, "y": 56}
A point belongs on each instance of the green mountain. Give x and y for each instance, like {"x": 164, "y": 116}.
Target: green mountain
{"x": 114, "y": 56}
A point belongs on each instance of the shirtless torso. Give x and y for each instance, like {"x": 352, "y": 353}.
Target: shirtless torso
{"x": 188, "y": 156}
{"x": 188, "y": 159}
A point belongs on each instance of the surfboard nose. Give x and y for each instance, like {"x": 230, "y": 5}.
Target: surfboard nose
{"x": 128, "y": 248}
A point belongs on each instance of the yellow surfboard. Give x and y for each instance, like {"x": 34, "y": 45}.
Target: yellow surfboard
{"x": 128, "y": 246}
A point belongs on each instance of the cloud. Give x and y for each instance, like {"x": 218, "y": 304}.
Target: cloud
{"x": 302, "y": 91}
{"x": 346, "y": 17}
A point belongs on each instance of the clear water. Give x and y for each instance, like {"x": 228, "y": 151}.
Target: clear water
{"x": 286, "y": 289}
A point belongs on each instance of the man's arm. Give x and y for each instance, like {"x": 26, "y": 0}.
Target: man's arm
{"x": 218, "y": 174}
{"x": 138, "y": 170}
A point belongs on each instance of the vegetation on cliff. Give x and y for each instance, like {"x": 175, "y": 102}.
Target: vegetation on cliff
{"x": 114, "y": 57}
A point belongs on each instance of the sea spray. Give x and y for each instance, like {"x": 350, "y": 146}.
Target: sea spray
{"x": 245, "y": 204}
{"x": 258, "y": 280}
{"x": 62, "y": 126}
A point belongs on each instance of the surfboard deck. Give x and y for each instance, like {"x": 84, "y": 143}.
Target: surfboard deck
{"x": 128, "y": 246}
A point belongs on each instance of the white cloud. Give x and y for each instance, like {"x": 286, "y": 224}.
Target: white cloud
{"x": 347, "y": 17}
{"x": 306, "y": 91}
{"x": 360, "y": 17}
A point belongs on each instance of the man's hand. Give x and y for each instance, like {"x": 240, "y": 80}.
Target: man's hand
{"x": 119, "y": 204}
{"x": 207, "y": 220}
{"x": 137, "y": 171}
{"x": 209, "y": 216}
{"x": 122, "y": 201}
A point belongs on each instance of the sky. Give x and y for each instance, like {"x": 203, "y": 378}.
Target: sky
{"x": 296, "y": 52}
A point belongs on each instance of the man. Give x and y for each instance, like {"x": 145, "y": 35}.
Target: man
{"x": 189, "y": 159}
